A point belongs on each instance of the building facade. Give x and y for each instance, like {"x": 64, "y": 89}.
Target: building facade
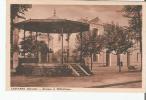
{"x": 132, "y": 58}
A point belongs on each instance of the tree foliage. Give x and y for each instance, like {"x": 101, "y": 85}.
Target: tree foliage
{"x": 16, "y": 10}
{"x": 31, "y": 46}
{"x": 134, "y": 15}
{"x": 116, "y": 39}
{"x": 91, "y": 42}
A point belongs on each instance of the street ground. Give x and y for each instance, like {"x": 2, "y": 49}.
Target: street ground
{"x": 103, "y": 77}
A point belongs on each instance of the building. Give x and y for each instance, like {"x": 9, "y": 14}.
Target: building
{"x": 133, "y": 58}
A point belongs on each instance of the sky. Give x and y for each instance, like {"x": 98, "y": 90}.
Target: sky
{"x": 106, "y": 14}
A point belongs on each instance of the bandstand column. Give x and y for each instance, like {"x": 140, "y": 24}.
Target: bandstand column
{"x": 38, "y": 57}
{"x": 24, "y": 40}
{"x": 48, "y": 58}
{"x": 81, "y": 47}
{"x": 31, "y": 35}
{"x": 36, "y": 36}
{"x": 68, "y": 51}
{"x": 62, "y": 48}
{"x": 68, "y": 38}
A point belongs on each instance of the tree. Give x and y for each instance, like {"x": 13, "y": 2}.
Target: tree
{"x": 35, "y": 49}
{"x": 29, "y": 46}
{"x": 134, "y": 15}
{"x": 116, "y": 40}
{"x": 32, "y": 47}
{"x": 16, "y": 11}
{"x": 91, "y": 43}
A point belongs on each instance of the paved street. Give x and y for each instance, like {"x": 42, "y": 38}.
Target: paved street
{"x": 103, "y": 76}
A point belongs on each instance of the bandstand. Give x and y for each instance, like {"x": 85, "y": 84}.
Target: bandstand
{"x": 53, "y": 26}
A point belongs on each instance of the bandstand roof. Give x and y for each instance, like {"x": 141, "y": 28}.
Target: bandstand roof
{"x": 53, "y": 26}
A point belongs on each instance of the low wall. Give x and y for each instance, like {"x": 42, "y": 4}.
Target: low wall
{"x": 43, "y": 69}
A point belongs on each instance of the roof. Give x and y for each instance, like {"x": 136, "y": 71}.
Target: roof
{"x": 53, "y": 26}
{"x": 95, "y": 21}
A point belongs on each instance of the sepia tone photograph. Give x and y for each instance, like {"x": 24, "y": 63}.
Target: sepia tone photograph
{"x": 76, "y": 46}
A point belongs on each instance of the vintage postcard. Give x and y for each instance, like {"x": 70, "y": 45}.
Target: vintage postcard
{"x": 75, "y": 46}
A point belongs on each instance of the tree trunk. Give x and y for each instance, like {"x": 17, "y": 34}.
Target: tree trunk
{"x": 91, "y": 61}
{"x": 119, "y": 62}
{"x": 118, "y": 59}
{"x": 141, "y": 53}
{"x": 11, "y": 43}
{"x": 141, "y": 62}
{"x": 15, "y": 48}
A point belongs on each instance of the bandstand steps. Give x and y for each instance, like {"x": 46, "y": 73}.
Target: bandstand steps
{"x": 79, "y": 71}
